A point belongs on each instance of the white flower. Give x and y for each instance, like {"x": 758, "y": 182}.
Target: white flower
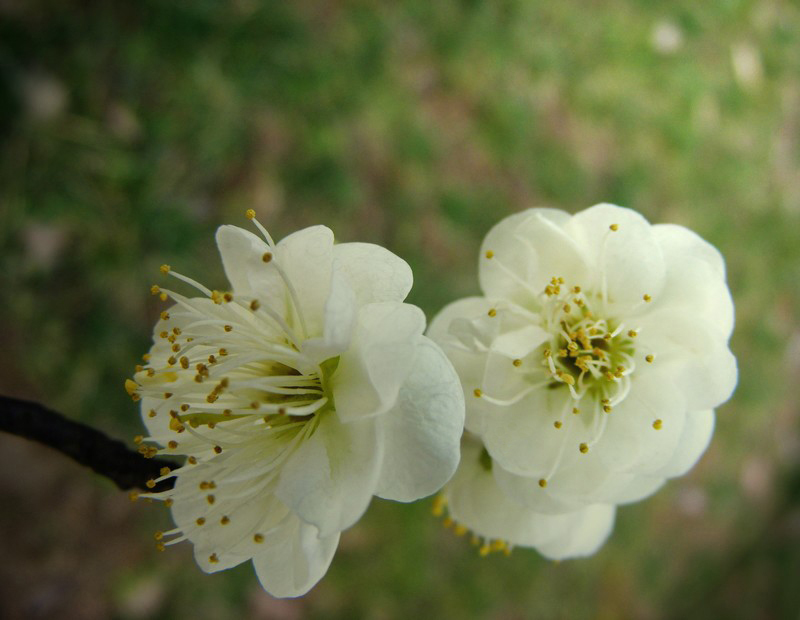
{"x": 594, "y": 361}
{"x": 297, "y": 396}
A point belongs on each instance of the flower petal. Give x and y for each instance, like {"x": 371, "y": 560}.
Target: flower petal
{"x": 374, "y": 273}
{"x": 527, "y": 249}
{"x": 381, "y": 354}
{"x": 422, "y": 432}
{"x": 628, "y": 259}
{"x": 242, "y": 258}
{"x": 329, "y": 479}
{"x": 294, "y": 560}
{"x": 696, "y": 436}
{"x": 340, "y": 321}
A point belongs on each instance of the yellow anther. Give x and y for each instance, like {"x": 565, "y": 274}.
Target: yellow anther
{"x": 171, "y": 361}
{"x": 131, "y": 386}
{"x": 164, "y": 269}
{"x": 227, "y": 413}
{"x": 583, "y": 448}
{"x": 542, "y": 482}
{"x": 567, "y": 308}
{"x": 146, "y": 357}
{"x": 200, "y": 521}
{"x": 647, "y": 298}
{"x": 228, "y": 297}
{"x": 255, "y": 305}
{"x": 225, "y": 520}
{"x": 151, "y": 372}
{"x": 250, "y": 213}
{"x": 168, "y": 502}
{"x": 133, "y": 495}
{"x": 191, "y": 460}
{"x": 160, "y": 547}
{"x": 158, "y": 535}
{"x": 632, "y": 333}
{"x": 607, "y": 408}
{"x": 576, "y": 289}
{"x": 460, "y": 529}
{"x": 172, "y": 445}
{"x": 560, "y": 280}
{"x": 228, "y": 328}
{"x": 223, "y": 352}
{"x": 439, "y": 502}
{"x": 184, "y": 362}
{"x": 176, "y": 347}
{"x": 258, "y": 538}
{"x": 175, "y": 424}
{"x": 151, "y": 413}
{"x": 498, "y": 545}
{"x": 210, "y": 499}
{"x": 614, "y": 227}
{"x": 649, "y": 359}
{"x": 489, "y": 254}
{"x": 477, "y": 392}
{"x": 155, "y": 289}
{"x": 658, "y": 424}
{"x": 448, "y": 522}
{"x": 165, "y": 471}
{"x": 266, "y": 257}
{"x": 164, "y": 315}
{"x": 164, "y": 334}
{"x": 217, "y": 449}
{"x": 575, "y": 410}
{"x": 492, "y": 312}
{"x": 213, "y": 558}
{"x": 150, "y": 484}
{"x": 485, "y": 550}
{"x": 566, "y": 378}
{"x": 517, "y": 363}
{"x": 557, "y": 424}
{"x": 163, "y": 296}
{"x": 212, "y": 398}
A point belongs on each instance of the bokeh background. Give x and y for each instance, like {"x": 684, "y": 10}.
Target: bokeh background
{"x": 131, "y": 130}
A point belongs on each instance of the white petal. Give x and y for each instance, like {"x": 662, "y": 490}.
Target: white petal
{"x": 528, "y": 249}
{"x": 629, "y": 259}
{"x": 306, "y": 258}
{"x": 678, "y": 241}
{"x": 294, "y": 560}
{"x": 630, "y": 441}
{"x": 422, "y": 432}
{"x": 374, "y": 273}
{"x": 242, "y": 258}
{"x": 329, "y": 479}
{"x": 586, "y": 531}
{"x": 696, "y": 436}
{"x": 372, "y": 370}
{"x": 696, "y": 356}
{"x": 340, "y": 321}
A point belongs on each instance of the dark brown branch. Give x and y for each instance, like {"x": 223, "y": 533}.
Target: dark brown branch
{"x": 106, "y": 456}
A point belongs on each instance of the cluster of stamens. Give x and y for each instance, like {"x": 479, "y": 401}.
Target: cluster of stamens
{"x": 484, "y": 545}
{"x": 232, "y": 379}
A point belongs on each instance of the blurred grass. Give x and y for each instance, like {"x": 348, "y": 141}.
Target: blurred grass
{"x": 131, "y": 130}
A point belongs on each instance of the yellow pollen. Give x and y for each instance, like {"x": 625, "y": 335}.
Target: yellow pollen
{"x": 172, "y": 445}
{"x": 258, "y": 538}
{"x": 614, "y": 227}
{"x": 158, "y": 535}
{"x": 160, "y": 547}
{"x": 658, "y": 424}
{"x": 647, "y": 298}
{"x": 133, "y": 496}
{"x": 151, "y": 413}
{"x": 228, "y": 328}
{"x": 165, "y": 471}
{"x": 200, "y": 521}
{"x": 607, "y": 408}
{"x": 192, "y": 460}
{"x": 210, "y": 499}
{"x": 542, "y": 482}
{"x": 489, "y": 254}
{"x": 138, "y": 439}
{"x": 583, "y": 448}
{"x": 164, "y": 315}
{"x": 557, "y": 424}
{"x": 477, "y": 392}
{"x": 150, "y": 484}
{"x": 176, "y": 347}
{"x": 224, "y": 520}
{"x": 164, "y": 269}
{"x": 250, "y": 214}
{"x": 492, "y": 312}
{"x": 131, "y": 387}
{"x": 223, "y": 352}
{"x": 228, "y": 297}
{"x": 266, "y": 257}
{"x": 517, "y": 363}
{"x": 213, "y": 558}
{"x": 576, "y": 289}
{"x": 255, "y": 305}
{"x": 155, "y": 289}
{"x": 168, "y": 502}
{"x": 649, "y": 359}
{"x": 184, "y": 362}
{"x": 632, "y": 333}
{"x": 163, "y": 296}
{"x": 171, "y": 361}
{"x": 164, "y": 334}
{"x": 217, "y": 450}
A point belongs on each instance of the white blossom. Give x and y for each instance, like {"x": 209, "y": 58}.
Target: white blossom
{"x": 592, "y": 364}
{"x": 296, "y": 396}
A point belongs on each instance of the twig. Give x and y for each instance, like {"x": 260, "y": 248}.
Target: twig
{"x": 106, "y": 456}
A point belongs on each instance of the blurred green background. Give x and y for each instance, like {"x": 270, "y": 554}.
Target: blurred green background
{"x": 131, "y": 130}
